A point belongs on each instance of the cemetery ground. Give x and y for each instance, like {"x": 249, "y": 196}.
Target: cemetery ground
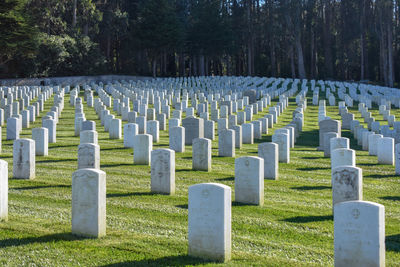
{"x": 293, "y": 228}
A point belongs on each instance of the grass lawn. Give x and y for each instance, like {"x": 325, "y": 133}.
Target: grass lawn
{"x": 293, "y": 228}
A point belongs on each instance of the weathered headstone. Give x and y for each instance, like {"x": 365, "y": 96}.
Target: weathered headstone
{"x": 209, "y": 226}
{"x": 326, "y": 126}
{"x": 339, "y": 142}
{"x": 343, "y": 157}
{"x": 194, "y": 128}
{"x": 88, "y": 156}
{"x": 327, "y": 143}
{"x": 89, "y": 137}
{"x": 347, "y": 118}
{"x": 163, "y": 171}
{"x": 359, "y": 234}
{"x": 238, "y": 135}
{"x": 153, "y": 129}
{"x": 141, "y": 121}
{"x": 130, "y": 131}
{"x": 346, "y": 184}
{"x": 269, "y": 152}
{"x": 24, "y": 159}
{"x": 226, "y": 143}
{"x": 12, "y": 129}
{"x": 89, "y": 203}
{"x": 247, "y": 133}
{"x": 201, "y": 154}
{"x": 386, "y": 150}
{"x": 257, "y": 129}
{"x": 177, "y": 139}
{"x": 143, "y": 145}
{"x": 249, "y": 180}
{"x": 209, "y": 129}
{"x": 88, "y": 126}
{"x": 252, "y": 95}
{"x": 41, "y": 138}
{"x": 282, "y": 140}
{"x": 115, "y": 129}
{"x": 51, "y": 129}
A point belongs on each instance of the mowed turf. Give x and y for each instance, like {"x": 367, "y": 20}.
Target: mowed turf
{"x": 293, "y": 228}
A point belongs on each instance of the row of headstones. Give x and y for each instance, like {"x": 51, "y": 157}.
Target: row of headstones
{"x": 377, "y": 140}
{"x": 89, "y": 153}
{"x": 347, "y": 189}
{"x": 25, "y": 150}
{"x": 348, "y": 206}
{"x": 365, "y": 138}
{"x": 15, "y": 99}
{"x": 151, "y": 126}
{"x": 359, "y": 227}
{"x": 17, "y": 122}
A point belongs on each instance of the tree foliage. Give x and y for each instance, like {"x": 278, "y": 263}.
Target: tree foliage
{"x": 314, "y": 39}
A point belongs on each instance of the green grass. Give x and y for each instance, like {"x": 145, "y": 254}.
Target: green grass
{"x": 293, "y": 228}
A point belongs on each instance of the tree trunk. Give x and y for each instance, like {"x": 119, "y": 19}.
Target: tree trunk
{"x": 390, "y": 54}
{"x": 327, "y": 39}
{"x": 273, "y": 58}
{"x": 181, "y": 64}
{"x": 108, "y": 49}
{"x": 300, "y": 58}
{"x": 249, "y": 57}
{"x": 154, "y": 67}
{"x": 312, "y": 55}
{"x": 383, "y": 59}
{"x": 201, "y": 65}
{"x": 164, "y": 66}
{"x": 206, "y": 65}
{"x": 74, "y": 13}
{"x": 362, "y": 77}
{"x": 195, "y": 69}
{"x": 292, "y": 65}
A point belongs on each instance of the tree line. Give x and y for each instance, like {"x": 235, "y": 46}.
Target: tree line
{"x": 314, "y": 39}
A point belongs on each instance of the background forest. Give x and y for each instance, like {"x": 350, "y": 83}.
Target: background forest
{"x": 314, "y": 39}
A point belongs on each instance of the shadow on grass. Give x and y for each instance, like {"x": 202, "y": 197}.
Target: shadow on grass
{"x": 231, "y": 178}
{"x": 40, "y": 187}
{"x": 113, "y": 148}
{"x": 367, "y": 164}
{"x": 392, "y": 198}
{"x": 310, "y": 157}
{"x": 312, "y": 168}
{"x": 309, "y": 138}
{"x": 116, "y": 165}
{"x": 239, "y": 204}
{"x": 306, "y": 219}
{"x": 55, "y": 160}
{"x": 380, "y": 176}
{"x": 156, "y": 145}
{"x": 12, "y": 242}
{"x": 183, "y": 260}
{"x": 306, "y": 188}
{"x": 125, "y": 194}
{"x": 59, "y": 146}
{"x": 184, "y": 170}
{"x": 262, "y": 140}
{"x": 393, "y": 242}
{"x": 183, "y": 206}
{"x": 186, "y": 157}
